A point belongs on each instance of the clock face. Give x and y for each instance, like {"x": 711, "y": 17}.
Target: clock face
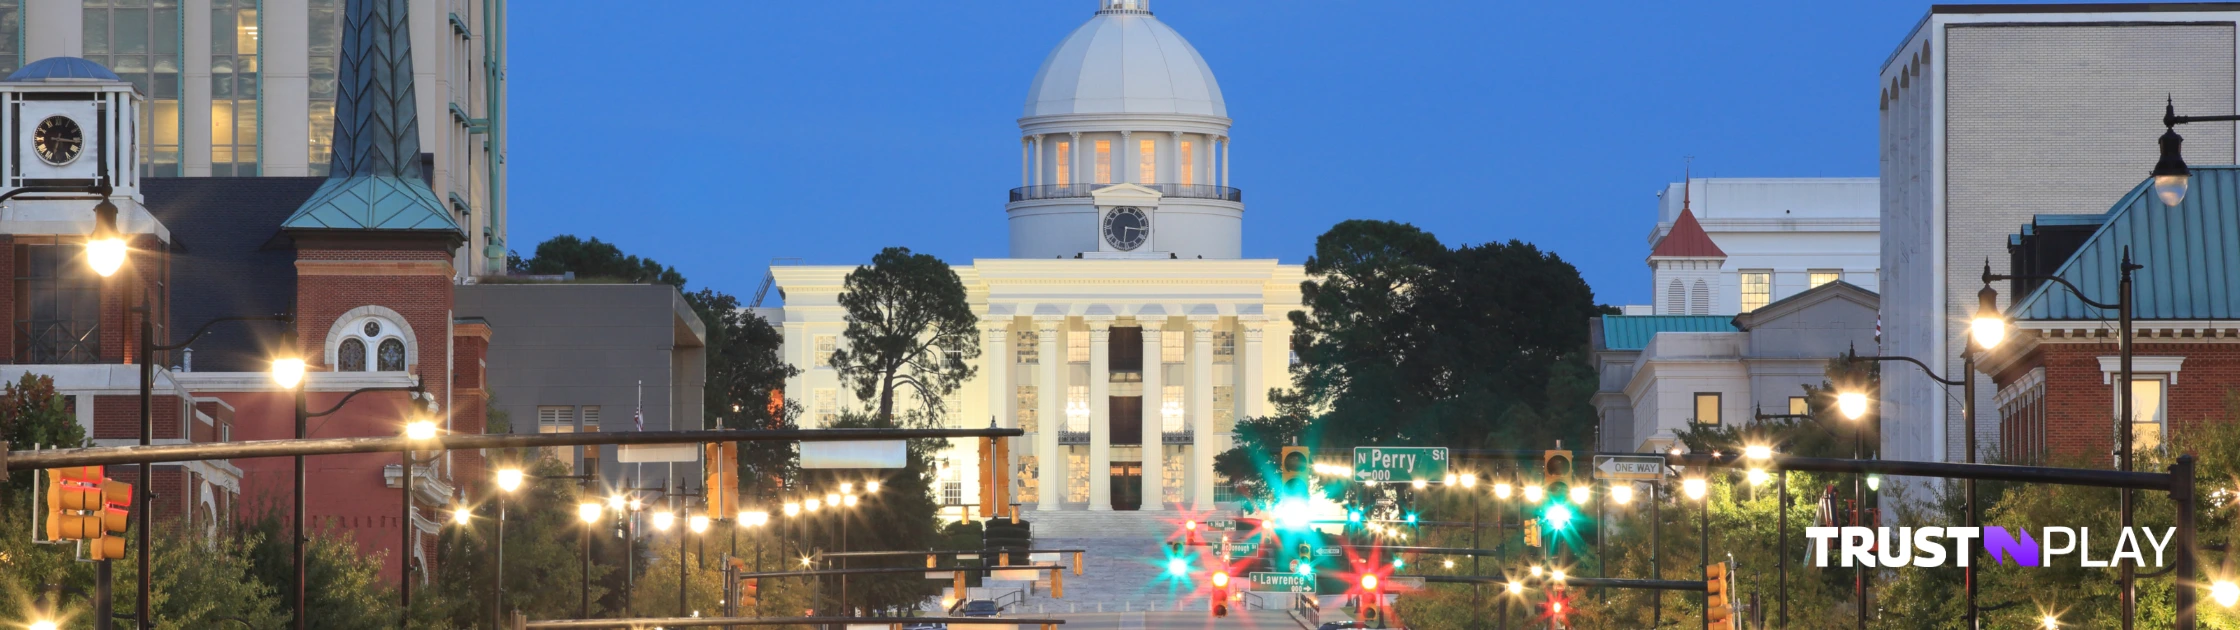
{"x": 1126, "y": 228}
{"x": 58, "y": 140}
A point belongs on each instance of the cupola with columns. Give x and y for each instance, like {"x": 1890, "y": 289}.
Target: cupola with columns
{"x": 1125, "y": 148}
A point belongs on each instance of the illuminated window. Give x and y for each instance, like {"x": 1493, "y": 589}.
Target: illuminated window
{"x": 1104, "y": 162}
{"x": 1186, "y": 163}
{"x": 234, "y": 50}
{"x": 325, "y": 47}
{"x": 1029, "y": 347}
{"x": 2148, "y": 406}
{"x": 1077, "y": 347}
{"x": 1707, "y": 408}
{"x": 1757, "y": 289}
{"x": 1147, "y": 163}
{"x": 1798, "y": 407}
{"x": 1065, "y": 163}
{"x": 825, "y": 345}
{"x": 1224, "y": 346}
{"x": 1027, "y": 472}
{"x": 1171, "y": 345}
{"x": 557, "y": 419}
{"x": 1824, "y": 276}
{"x": 827, "y": 406}
{"x": 139, "y": 40}
{"x": 1028, "y": 410}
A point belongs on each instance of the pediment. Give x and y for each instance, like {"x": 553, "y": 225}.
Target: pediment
{"x": 1125, "y": 194}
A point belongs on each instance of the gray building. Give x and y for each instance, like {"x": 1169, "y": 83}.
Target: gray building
{"x": 569, "y": 357}
{"x": 1992, "y": 114}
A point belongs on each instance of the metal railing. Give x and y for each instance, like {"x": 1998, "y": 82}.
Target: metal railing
{"x": 1072, "y": 191}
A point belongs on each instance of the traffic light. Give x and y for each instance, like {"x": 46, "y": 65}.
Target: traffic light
{"x": 1294, "y": 464}
{"x": 1556, "y": 473}
{"x": 723, "y": 478}
{"x": 1221, "y": 593}
{"x": 1371, "y": 601}
{"x": 1559, "y": 607}
{"x": 1532, "y": 532}
{"x": 115, "y": 516}
{"x": 1559, "y": 517}
{"x": 750, "y": 592}
{"x": 1718, "y": 589}
{"x": 1057, "y": 583}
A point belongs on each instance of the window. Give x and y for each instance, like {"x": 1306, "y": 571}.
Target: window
{"x": 2022, "y": 417}
{"x": 1104, "y": 162}
{"x": 1699, "y": 299}
{"x": 1798, "y": 406}
{"x": 233, "y": 87}
{"x": 1077, "y": 347}
{"x": 1147, "y": 163}
{"x": 1065, "y": 164}
{"x": 1028, "y": 472}
{"x": 383, "y": 338}
{"x": 1676, "y": 299}
{"x": 1186, "y": 162}
{"x": 1824, "y": 276}
{"x": 139, "y": 40}
{"x": 827, "y": 406}
{"x": 58, "y": 306}
{"x": 590, "y": 418}
{"x": 1171, "y": 408}
{"x": 2148, "y": 406}
{"x": 825, "y": 345}
{"x": 1029, "y": 347}
{"x": 557, "y": 419}
{"x": 1029, "y": 409}
{"x": 325, "y": 47}
{"x": 1757, "y": 290}
{"x": 1077, "y": 409}
{"x": 1172, "y": 344}
{"x": 1224, "y": 408}
{"x": 11, "y": 37}
{"x": 1707, "y": 408}
{"x": 1224, "y": 347}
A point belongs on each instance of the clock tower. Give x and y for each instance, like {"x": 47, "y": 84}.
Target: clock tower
{"x": 71, "y": 128}
{"x": 1124, "y": 148}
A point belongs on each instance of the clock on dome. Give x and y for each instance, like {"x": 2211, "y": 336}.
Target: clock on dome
{"x": 1126, "y": 228}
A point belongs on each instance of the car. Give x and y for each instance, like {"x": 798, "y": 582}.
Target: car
{"x": 925, "y": 626}
{"x": 1340, "y": 625}
{"x": 977, "y": 608}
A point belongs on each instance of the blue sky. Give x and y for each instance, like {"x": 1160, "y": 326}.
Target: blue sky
{"x": 714, "y": 136}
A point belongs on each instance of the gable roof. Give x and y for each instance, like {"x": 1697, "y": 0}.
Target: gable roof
{"x": 1838, "y": 290}
{"x": 2190, "y": 257}
{"x": 1633, "y": 332}
{"x": 1686, "y": 239}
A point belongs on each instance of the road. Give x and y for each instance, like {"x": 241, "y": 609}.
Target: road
{"x": 1260, "y": 619}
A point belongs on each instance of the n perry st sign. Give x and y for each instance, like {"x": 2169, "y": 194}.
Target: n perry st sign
{"x": 1399, "y": 463}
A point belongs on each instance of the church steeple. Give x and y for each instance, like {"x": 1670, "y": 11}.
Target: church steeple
{"x": 375, "y": 182}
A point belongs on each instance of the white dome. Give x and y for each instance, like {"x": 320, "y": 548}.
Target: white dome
{"x": 1124, "y": 61}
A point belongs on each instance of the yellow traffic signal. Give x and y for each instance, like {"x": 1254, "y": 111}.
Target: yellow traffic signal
{"x": 1294, "y": 463}
{"x": 1555, "y": 469}
{"x": 74, "y": 503}
{"x": 1532, "y": 532}
{"x": 1057, "y": 583}
{"x": 1718, "y": 587}
{"x": 115, "y": 517}
{"x": 750, "y": 593}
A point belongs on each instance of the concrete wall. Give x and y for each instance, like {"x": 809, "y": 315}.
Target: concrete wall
{"x": 579, "y": 345}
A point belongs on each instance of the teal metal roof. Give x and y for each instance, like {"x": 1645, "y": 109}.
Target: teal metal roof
{"x": 374, "y": 182}
{"x": 1633, "y": 332}
{"x": 2190, "y": 254}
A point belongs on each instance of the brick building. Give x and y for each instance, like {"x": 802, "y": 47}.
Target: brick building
{"x": 2057, "y": 373}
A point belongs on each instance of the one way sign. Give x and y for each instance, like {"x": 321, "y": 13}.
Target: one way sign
{"x": 1629, "y": 467}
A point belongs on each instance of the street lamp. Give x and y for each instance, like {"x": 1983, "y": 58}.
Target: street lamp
{"x": 699, "y": 523}
{"x": 871, "y": 487}
{"x": 1533, "y": 493}
{"x": 1621, "y": 494}
{"x": 2226, "y": 593}
{"x": 105, "y": 249}
{"x": 1694, "y": 487}
{"x": 1469, "y": 480}
{"x": 509, "y": 479}
{"x": 421, "y": 431}
{"x": 1580, "y": 494}
{"x": 1852, "y": 404}
{"x": 1503, "y": 490}
{"x": 1516, "y": 587}
{"x": 462, "y": 516}
{"x": 589, "y": 511}
{"x": 663, "y": 520}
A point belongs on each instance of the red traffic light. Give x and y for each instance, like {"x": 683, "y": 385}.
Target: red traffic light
{"x": 1369, "y": 582}
{"x": 1190, "y": 525}
{"x": 1221, "y": 579}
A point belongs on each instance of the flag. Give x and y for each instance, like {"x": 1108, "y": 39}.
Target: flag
{"x": 639, "y": 417}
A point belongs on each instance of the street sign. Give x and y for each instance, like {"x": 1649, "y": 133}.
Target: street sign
{"x": 1281, "y": 583}
{"x": 1243, "y": 548}
{"x": 1404, "y": 583}
{"x": 1629, "y": 467}
{"x": 853, "y": 454}
{"x": 1399, "y": 463}
{"x": 1328, "y": 552}
{"x": 1221, "y": 523}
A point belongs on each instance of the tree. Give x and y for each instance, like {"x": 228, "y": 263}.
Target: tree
{"x": 901, "y": 517}
{"x": 595, "y": 259}
{"x": 33, "y": 415}
{"x": 543, "y": 556}
{"x": 1251, "y": 462}
{"x": 908, "y": 327}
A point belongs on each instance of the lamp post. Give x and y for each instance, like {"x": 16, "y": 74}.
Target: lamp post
{"x": 1985, "y": 331}
{"x": 420, "y": 430}
{"x": 509, "y": 480}
{"x": 589, "y": 512}
{"x": 288, "y": 371}
{"x": 1990, "y": 327}
{"x": 1698, "y": 488}
{"x": 1854, "y": 406}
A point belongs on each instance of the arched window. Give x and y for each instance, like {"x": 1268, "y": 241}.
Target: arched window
{"x": 1699, "y": 299}
{"x": 351, "y": 357}
{"x": 392, "y": 355}
{"x": 1675, "y": 300}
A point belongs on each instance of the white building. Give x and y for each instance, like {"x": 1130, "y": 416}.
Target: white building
{"x": 1123, "y": 331}
{"x": 246, "y": 88}
{"x": 1756, "y": 284}
{"x": 1728, "y": 245}
{"x": 1991, "y": 115}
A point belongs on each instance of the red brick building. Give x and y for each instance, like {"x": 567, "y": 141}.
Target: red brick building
{"x": 2058, "y": 371}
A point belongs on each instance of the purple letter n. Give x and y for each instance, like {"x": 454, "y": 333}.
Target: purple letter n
{"x": 2001, "y": 545}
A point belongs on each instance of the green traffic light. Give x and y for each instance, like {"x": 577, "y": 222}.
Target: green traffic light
{"x": 1353, "y": 516}
{"x": 1398, "y": 563}
{"x": 1411, "y": 518}
{"x": 1176, "y": 567}
{"x": 1558, "y": 516}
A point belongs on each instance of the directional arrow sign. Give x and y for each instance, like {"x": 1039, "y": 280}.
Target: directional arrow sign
{"x": 1629, "y": 467}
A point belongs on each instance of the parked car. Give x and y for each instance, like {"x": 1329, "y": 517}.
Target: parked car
{"x": 1340, "y": 625}
{"x": 925, "y": 626}
{"x": 978, "y": 608}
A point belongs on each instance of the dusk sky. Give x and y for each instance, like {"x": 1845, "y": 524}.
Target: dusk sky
{"x": 725, "y": 134}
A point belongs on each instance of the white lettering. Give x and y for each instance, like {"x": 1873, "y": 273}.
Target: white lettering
{"x": 1858, "y": 547}
{"x": 2168, "y": 533}
{"x": 1963, "y": 539}
{"x": 1903, "y": 550}
{"x": 2084, "y": 549}
{"x": 1819, "y": 537}
{"x": 2125, "y": 542}
{"x": 1927, "y": 553}
{"x": 2046, "y": 544}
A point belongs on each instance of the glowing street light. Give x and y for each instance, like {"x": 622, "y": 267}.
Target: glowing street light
{"x": 871, "y": 487}
{"x": 617, "y": 503}
{"x": 1516, "y": 587}
{"x": 1533, "y": 494}
{"x": 509, "y": 479}
{"x": 1536, "y": 570}
{"x": 847, "y": 487}
{"x": 1580, "y": 494}
{"x": 1469, "y": 480}
{"x": 699, "y": 523}
{"x": 106, "y": 249}
{"x": 1695, "y": 487}
{"x": 1556, "y": 575}
{"x": 43, "y": 624}
{"x": 2052, "y": 622}
{"x": 462, "y": 515}
{"x": 1758, "y": 452}
{"x": 792, "y": 509}
{"x": 1420, "y": 484}
{"x": 1621, "y": 494}
{"x": 1989, "y": 326}
{"x": 662, "y": 520}
{"x": 1758, "y": 477}
{"x": 588, "y": 511}
{"x": 420, "y": 430}
{"x": 288, "y": 371}
{"x": 754, "y": 518}
{"x": 1853, "y": 404}
{"x": 1503, "y": 490}
{"x": 2226, "y": 593}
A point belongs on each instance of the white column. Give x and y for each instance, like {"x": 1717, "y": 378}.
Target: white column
{"x": 1035, "y": 163}
{"x": 1127, "y": 157}
{"x": 1173, "y": 164}
{"x": 1100, "y": 414}
{"x": 1026, "y": 161}
{"x": 1201, "y": 413}
{"x": 1252, "y": 396}
{"x": 1224, "y": 160}
{"x": 1154, "y": 390}
{"x": 1051, "y": 395}
{"x": 1074, "y": 174}
{"x": 995, "y": 334}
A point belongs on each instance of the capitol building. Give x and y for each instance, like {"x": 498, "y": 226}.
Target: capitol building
{"x": 1123, "y": 331}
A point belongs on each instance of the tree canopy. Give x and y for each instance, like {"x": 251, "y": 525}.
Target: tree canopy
{"x": 909, "y": 327}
